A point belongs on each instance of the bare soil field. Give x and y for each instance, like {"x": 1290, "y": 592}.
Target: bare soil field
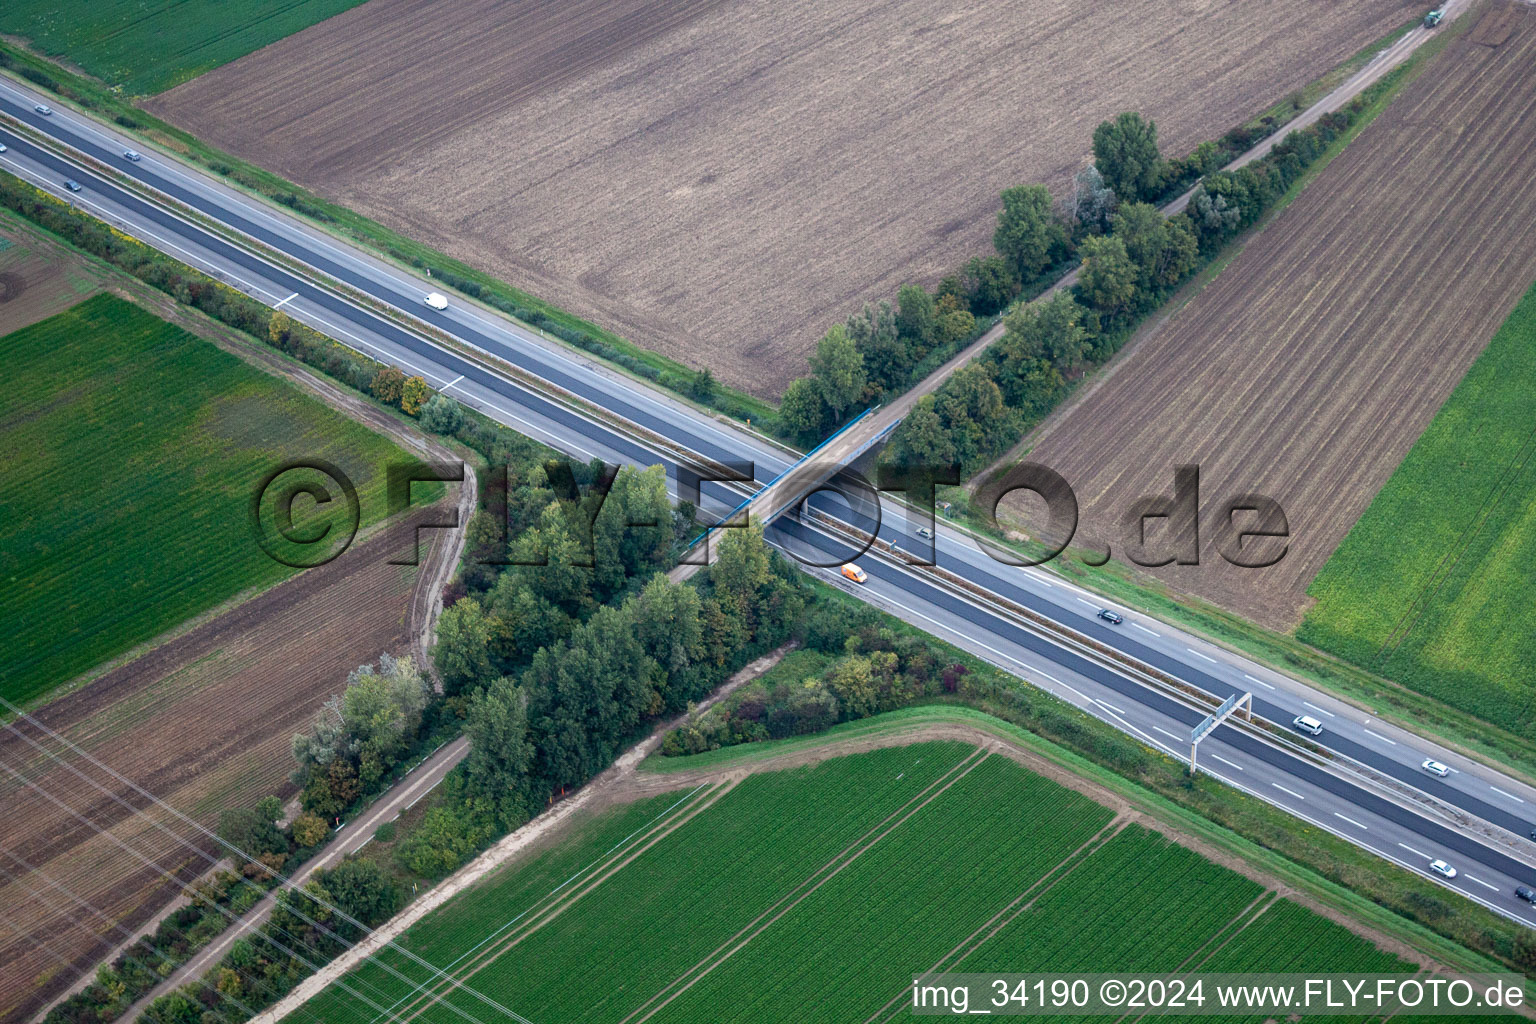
{"x": 202, "y": 722}
{"x": 722, "y": 180}
{"x": 1309, "y": 366}
{"x": 38, "y": 277}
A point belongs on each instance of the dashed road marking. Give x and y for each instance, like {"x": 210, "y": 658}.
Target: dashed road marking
{"x": 1282, "y": 789}
{"x": 1197, "y": 654}
{"x": 1352, "y": 821}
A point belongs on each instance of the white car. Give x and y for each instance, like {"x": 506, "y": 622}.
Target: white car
{"x": 45, "y": 111}
{"x": 1308, "y": 724}
{"x": 2, "y": 147}
{"x": 437, "y": 300}
{"x": 1435, "y": 767}
{"x": 1440, "y": 867}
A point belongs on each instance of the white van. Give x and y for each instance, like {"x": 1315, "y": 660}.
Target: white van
{"x": 437, "y": 300}
{"x": 1308, "y": 724}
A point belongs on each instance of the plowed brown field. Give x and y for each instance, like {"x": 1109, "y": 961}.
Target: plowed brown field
{"x": 1309, "y": 366}
{"x": 721, "y": 180}
{"x": 203, "y": 722}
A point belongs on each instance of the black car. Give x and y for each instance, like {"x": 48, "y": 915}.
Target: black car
{"x": 72, "y": 185}
{"x": 1111, "y": 617}
{"x": 1526, "y": 893}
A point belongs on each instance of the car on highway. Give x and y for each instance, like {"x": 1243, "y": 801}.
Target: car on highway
{"x": 45, "y": 111}
{"x": 1440, "y": 867}
{"x": 1526, "y": 893}
{"x": 854, "y": 573}
{"x": 72, "y": 185}
{"x": 1308, "y": 724}
{"x": 2, "y": 147}
{"x": 1110, "y": 616}
{"x": 925, "y": 533}
{"x": 437, "y": 300}
{"x": 1435, "y": 767}
{"x": 129, "y": 154}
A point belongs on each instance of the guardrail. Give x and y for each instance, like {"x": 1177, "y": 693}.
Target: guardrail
{"x": 385, "y": 311}
{"x": 1189, "y": 695}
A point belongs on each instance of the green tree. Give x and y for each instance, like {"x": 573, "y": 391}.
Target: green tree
{"x": 803, "y": 411}
{"x": 702, "y": 385}
{"x": 839, "y": 369}
{"x": 887, "y": 355}
{"x": 361, "y": 890}
{"x": 1051, "y": 330}
{"x": 1028, "y": 234}
{"x": 251, "y": 832}
{"x": 990, "y": 284}
{"x": 1125, "y": 153}
{"x": 1141, "y": 229}
{"x": 852, "y": 680}
{"x": 665, "y": 618}
{"x": 381, "y": 709}
{"x": 1108, "y": 278}
{"x": 921, "y": 440}
{"x": 309, "y": 830}
{"x": 916, "y": 319}
{"x": 462, "y": 651}
{"x": 442, "y": 415}
{"x": 500, "y": 752}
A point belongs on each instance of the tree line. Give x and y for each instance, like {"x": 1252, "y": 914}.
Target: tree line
{"x": 1131, "y": 257}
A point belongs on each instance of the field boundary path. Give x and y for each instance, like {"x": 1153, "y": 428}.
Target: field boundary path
{"x": 1393, "y": 56}
{"x": 350, "y": 838}
{"x": 622, "y": 784}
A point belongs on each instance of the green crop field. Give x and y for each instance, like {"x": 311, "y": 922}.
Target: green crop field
{"x": 147, "y": 46}
{"x": 130, "y": 451}
{"x": 816, "y": 893}
{"x": 1433, "y": 585}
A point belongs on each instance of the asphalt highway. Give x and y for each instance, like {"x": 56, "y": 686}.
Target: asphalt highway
{"x": 1356, "y": 812}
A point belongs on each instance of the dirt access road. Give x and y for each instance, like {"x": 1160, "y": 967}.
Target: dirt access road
{"x": 202, "y": 718}
{"x": 721, "y": 180}
{"x": 1308, "y": 367}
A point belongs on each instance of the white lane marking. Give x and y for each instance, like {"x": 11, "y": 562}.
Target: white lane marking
{"x": 1412, "y": 850}
{"x": 451, "y": 383}
{"x": 1174, "y": 735}
{"x": 298, "y": 233}
{"x": 1352, "y": 821}
{"x": 1503, "y": 911}
{"x": 1512, "y": 796}
{"x": 1075, "y": 690}
{"x": 1108, "y": 705}
{"x": 362, "y": 844}
{"x": 1256, "y": 679}
{"x": 1379, "y": 736}
{"x": 1090, "y": 604}
{"x": 285, "y": 302}
{"x": 1321, "y": 711}
{"x": 1197, "y": 654}
{"x": 1144, "y": 629}
{"x": 1226, "y": 762}
{"x": 1480, "y": 882}
{"x": 1282, "y": 789}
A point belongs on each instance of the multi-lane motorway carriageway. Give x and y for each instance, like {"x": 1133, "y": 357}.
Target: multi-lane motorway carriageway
{"x": 1354, "y": 811}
